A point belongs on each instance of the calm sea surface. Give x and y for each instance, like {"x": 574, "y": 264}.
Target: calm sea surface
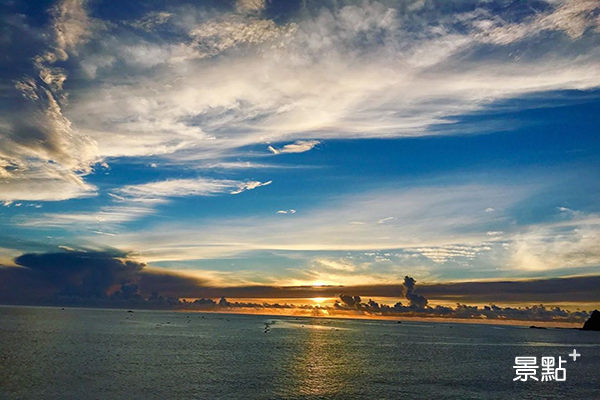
{"x": 49, "y": 353}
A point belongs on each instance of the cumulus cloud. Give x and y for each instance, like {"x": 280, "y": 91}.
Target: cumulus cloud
{"x": 84, "y": 274}
{"x": 350, "y": 301}
{"x": 415, "y": 300}
{"x": 73, "y": 275}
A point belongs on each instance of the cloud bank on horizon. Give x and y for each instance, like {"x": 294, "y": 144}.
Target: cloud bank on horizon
{"x": 110, "y": 279}
{"x": 290, "y": 143}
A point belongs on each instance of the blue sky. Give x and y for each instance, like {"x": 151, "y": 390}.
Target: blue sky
{"x": 303, "y": 143}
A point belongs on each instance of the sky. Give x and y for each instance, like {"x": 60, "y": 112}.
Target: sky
{"x": 270, "y": 143}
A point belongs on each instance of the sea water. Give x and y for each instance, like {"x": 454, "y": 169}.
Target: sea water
{"x": 50, "y": 353}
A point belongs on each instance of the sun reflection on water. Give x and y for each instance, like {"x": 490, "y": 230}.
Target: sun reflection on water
{"x": 324, "y": 364}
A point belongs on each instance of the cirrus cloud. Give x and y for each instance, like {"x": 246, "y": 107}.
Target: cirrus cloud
{"x": 212, "y": 82}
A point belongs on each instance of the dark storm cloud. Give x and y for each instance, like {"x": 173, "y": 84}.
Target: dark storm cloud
{"x": 350, "y": 301}
{"x": 415, "y": 300}
{"x": 83, "y": 274}
{"x": 77, "y": 275}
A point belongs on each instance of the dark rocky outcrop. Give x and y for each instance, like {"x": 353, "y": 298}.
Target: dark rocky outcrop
{"x": 593, "y": 323}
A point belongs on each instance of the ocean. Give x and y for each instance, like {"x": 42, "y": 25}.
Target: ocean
{"x": 50, "y": 353}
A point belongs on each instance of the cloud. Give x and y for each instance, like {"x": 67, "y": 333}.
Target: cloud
{"x": 229, "y": 95}
{"x": 160, "y": 191}
{"x": 45, "y": 184}
{"x": 85, "y": 274}
{"x": 250, "y": 5}
{"x": 250, "y": 186}
{"x": 578, "y": 289}
{"x": 215, "y": 36}
{"x": 137, "y": 201}
{"x": 300, "y": 146}
{"x": 568, "y": 244}
{"x": 426, "y": 218}
{"x": 418, "y": 305}
{"x": 442, "y": 254}
{"x": 291, "y": 211}
{"x": 112, "y": 278}
{"x": 572, "y": 17}
{"x": 415, "y": 300}
{"x": 336, "y": 265}
{"x": 207, "y": 83}
{"x": 203, "y": 86}
{"x": 42, "y": 156}
{"x": 227, "y": 165}
{"x": 306, "y": 95}
{"x": 350, "y": 301}
{"x": 72, "y": 24}
{"x": 440, "y": 232}
{"x": 553, "y": 290}
{"x": 105, "y": 218}
{"x": 152, "y": 20}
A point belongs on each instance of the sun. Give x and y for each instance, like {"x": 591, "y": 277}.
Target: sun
{"x": 319, "y": 300}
